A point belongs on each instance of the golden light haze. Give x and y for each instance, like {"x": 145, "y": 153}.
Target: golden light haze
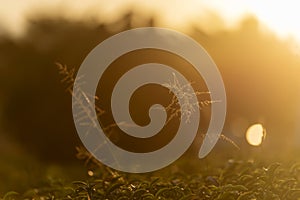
{"x": 247, "y": 40}
{"x": 279, "y": 16}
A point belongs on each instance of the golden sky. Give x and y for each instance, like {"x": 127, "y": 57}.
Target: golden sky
{"x": 279, "y": 16}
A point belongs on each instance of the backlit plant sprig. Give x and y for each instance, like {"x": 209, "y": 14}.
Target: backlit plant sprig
{"x": 82, "y": 101}
{"x": 182, "y": 91}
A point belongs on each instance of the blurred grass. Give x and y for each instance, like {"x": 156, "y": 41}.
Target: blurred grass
{"x": 24, "y": 172}
{"x": 186, "y": 179}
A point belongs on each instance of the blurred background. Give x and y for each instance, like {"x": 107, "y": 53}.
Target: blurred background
{"x": 255, "y": 46}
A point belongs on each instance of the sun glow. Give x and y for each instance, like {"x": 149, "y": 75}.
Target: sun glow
{"x": 255, "y": 134}
{"x": 278, "y": 16}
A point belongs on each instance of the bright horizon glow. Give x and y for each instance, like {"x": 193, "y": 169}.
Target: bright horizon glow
{"x": 255, "y": 134}
{"x": 278, "y": 16}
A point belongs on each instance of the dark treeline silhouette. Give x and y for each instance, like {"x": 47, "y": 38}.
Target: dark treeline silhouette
{"x": 259, "y": 72}
{"x": 36, "y": 109}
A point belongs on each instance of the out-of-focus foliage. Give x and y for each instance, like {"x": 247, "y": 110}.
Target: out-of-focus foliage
{"x": 35, "y": 110}
{"x": 259, "y": 71}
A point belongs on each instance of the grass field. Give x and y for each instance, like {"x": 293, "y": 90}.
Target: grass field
{"x": 210, "y": 178}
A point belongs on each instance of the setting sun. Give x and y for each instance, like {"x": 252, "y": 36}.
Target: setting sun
{"x": 255, "y": 134}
